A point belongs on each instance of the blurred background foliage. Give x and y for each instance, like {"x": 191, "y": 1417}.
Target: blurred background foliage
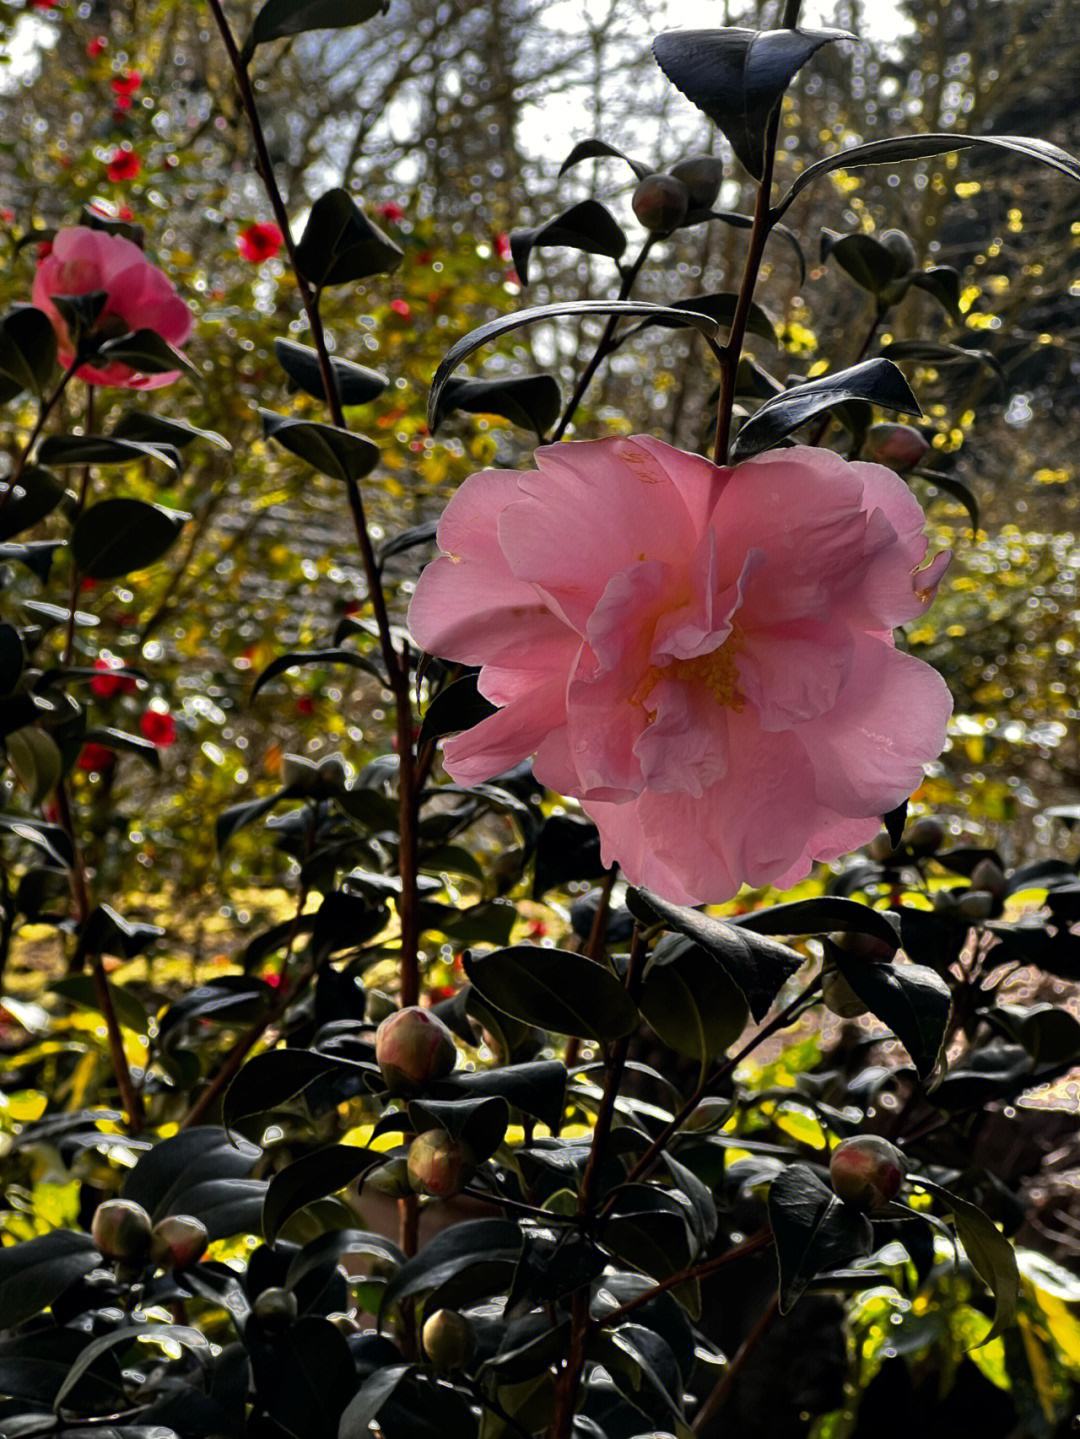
{"x": 450, "y": 122}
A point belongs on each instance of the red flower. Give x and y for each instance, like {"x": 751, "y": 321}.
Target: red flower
{"x": 105, "y": 685}
{"x": 124, "y": 165}
{"x": 394, "y": 213}
{"x": 126, "y": 83}
{"x": 44, "y": 250}
{"x": 96, "y": 46}
{"x": 260, "y": 241}
{"x": 502, "y": 246}
{"x": 120, "y": 104}
{"x": 402, "y": 308}
{"x": 159, "y": 727}
{"x": 96, "y": 758}
{"x": 305, "y": 705}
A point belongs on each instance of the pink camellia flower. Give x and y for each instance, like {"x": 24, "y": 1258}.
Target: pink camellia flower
{"x": 140, "y": 297}
{"x": 702, "y": 656}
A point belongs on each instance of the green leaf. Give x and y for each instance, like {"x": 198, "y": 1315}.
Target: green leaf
{"x": 719, "y": 307}
{"x": 589, "y": 227}
{"x": 758, "y": 965}
{"x": 280, "y": 18}
{"x": 491, "y": 1246}
{"x": 504, "y": 324}
{"x": 943, "y": 284}
{"x": 27, "y": 348}
{"x": 160, "y": 430}
{"x": 355, "y": 384}
{"x": 554, "y": 990}
{"x": 340, "y": 244}
{"x": 480, "y": 1121}
{"x": 34, "y": 756}
{"x": 271, "y": 1080}
{"x": 913, "y": 1000}
{"x": 869, "y": 263}
{"x": 814, "y": 1232}
{"x": 103, "y": 450}
{"x": 125, "y": 1337}
{"x": 332, "y": 451}
{"x": 738, "y": 77}
{"x": 460, "y": 706}
{"x": 118, "y": 536}
{"x": 80, "y": 990}
{"x": 691, "y": 1001}
{"x": 312, "y": 1177}
{"x": 537, "y": 1088}
{"x": 877, "y": 382}
{"x": 238, "y": 816}
{"x": 36, "y": 1272}
{"x": 992, "y": 1256}
{"x": 922, "y": 147}
{"x": 315, "y": 657}
{"x": 533, "y": 402}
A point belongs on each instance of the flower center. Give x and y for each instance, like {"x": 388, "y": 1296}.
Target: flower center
{"x": 718, "y": 671}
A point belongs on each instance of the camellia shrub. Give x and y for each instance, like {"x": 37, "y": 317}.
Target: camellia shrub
{"x": 710, "y": 1162}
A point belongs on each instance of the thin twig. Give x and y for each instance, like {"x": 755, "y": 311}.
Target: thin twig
{"x": 754, "y": 1245}
{"x": 724, "y": 1385}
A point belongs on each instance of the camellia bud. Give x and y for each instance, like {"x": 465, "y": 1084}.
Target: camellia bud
{"x": 121, "y": 1229}
{"x": 989, "y": 875}
{"x": 276, "y": 1308}
{"x": 449, "y": 1341}
{"x": 413, "y": 1048}
{"x": 660, "y": 202}
{"x": 839, "y": 997}
{"x": 701, "y": 174}
{"x": 439, "y": 1165}
{"x": 178, "y": 1241}
{"x": 901, "y": 447}
{"x": 867, "y": 1171}
{"x": 901, "y": 249}
{"x": 926, "y": 836}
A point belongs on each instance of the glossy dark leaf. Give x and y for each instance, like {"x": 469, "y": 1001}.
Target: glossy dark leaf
{"x": 12, "y": 658}
{"x": 588, "y": 226}
{"x": 340, "y": 244}
{"x": 81, "y": 991}
{"x": 161, "y": 430}
{"x": 147, "y": 353}
{"x": 944, "y": 284}
{"x": 283, "y": 663}
{"x": 758, "y": 965}
{"x": 36, "y": 761}
{"x": 174, "y": 1166}
{"x": 554, "y": 990}
{"x": 273, "y": 1079}
{"x": 738, "y": 77}
{"x": 991, "y": 1255}
{"x": 312, "y": 1177}
{"x": 921, "y": 147}
{"x": 532, "y": 402}
{"x": 124, "y": 1338}
{"x": 471, "y": 1243}
{"x": 36, "y": 495}
{"x": 238, "y": 816}
{"x": 36, "y": 555}
{"x": 818, "y": 916}
{"x": 123, "y": 743}
{"x": 479, "y": 1120}
{"x": 363, "y": 1409}
{"x": 877, "y": 382}
{"x": 305, "y": 1378}
{"x": 537, "y": 1088}
{"x": 567, "y": 849}
{"x": 895, "y": 822}
{"x": 27, "y": 348}
{"x": 410, "y": 539}
{"x": 280, "y": 18}
{"x": 460, "y": 706}
{"x": 504, "y": 324}
{"x": 813, "y": 1231}
{"x": 601, "y": 150}
{"x": 866, "y": 260}
{"x": 913, "y": 1000}
{"x": 36, "y": 1271}
{"x": 937, "y": 354}
{"x": 691, "y": 1001}
{"x": 356, "y": 384}
{"x": 953, "y": 487}
{"x": 117, "y": 536}
{"x": 64, "y": 450}
{"x": 332, "y": 451}
{"x": 721, "y": 308}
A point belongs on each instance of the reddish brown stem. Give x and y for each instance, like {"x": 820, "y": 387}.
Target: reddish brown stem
{"x": 130, "y": 1097}
{"x": 762, "y": 1239}
{"x": 724, "y": 1385}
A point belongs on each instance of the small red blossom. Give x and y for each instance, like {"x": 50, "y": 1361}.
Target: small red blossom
{"x": 260, "y": 241}
{"x": 402, "y": 308}
{"x": 125, "y": 212}
{"x": 537, "y": 929}
{"x": 44, "y": 250}
{"x": 305, "y": 705}
{"x": 502, "y": 245}
{"x": 390, "y": 211}
{"x": 96, "y": 758}
{"x": 126, "y": 83}
{"x": 105, "y": 684}
{"x": 7, "y": 216}
{"x": 274, "y": 981}
{"x": 96, "y": 46}
{"x": 121, "y": 104}
{"x": 159, "y": 727}
{"x": 351, "y": 607}
{"x": 123, "y": 165}
{"x": 425, "y": 257}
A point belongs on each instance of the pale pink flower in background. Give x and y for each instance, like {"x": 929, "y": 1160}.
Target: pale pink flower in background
{"x": 140, "y": 297}
{"x": 703, "y": 657}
